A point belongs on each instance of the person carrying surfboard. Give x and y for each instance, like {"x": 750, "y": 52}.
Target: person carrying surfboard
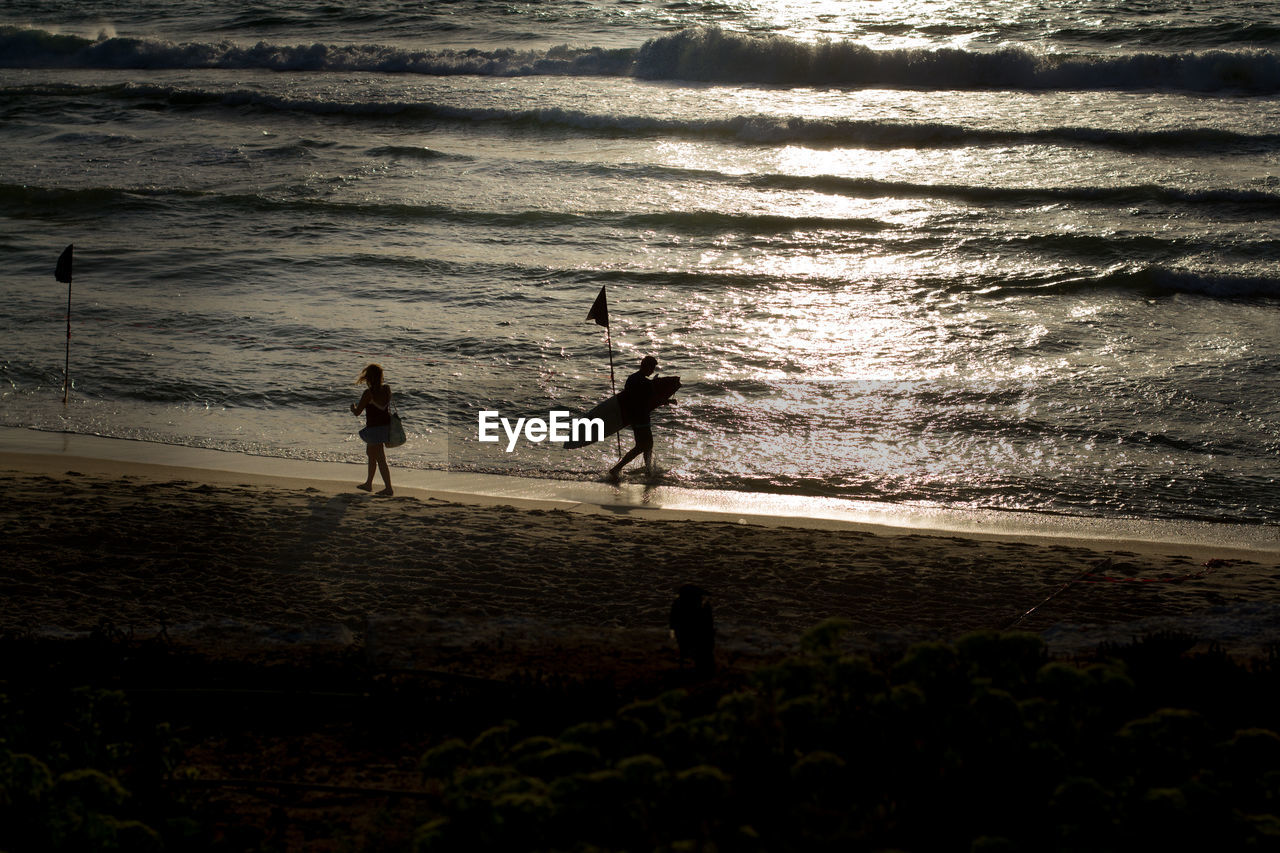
{"x": 636, "y": 397}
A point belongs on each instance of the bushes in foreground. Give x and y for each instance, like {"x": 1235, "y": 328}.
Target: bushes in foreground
{"x": 983, "y": 744}
{"x": 64, "y": 761}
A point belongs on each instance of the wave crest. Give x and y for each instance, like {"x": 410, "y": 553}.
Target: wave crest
{"x": 756, "y": 129}
{"x": 1153, "y": 280}
{"x": 699, "y": 54}
{"x": 713, "y": 55}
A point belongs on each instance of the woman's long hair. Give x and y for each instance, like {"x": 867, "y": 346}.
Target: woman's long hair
{"x": 371, "y": 375}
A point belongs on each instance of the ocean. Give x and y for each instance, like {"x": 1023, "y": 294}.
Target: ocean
{"x": 985, "y": 256}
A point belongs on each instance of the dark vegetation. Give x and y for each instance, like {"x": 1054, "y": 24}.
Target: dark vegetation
{"x": 983, "y": 744}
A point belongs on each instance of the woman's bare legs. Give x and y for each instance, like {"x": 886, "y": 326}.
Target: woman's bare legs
{"x": 378, "y": 456}
{"x": 377, "y": 462}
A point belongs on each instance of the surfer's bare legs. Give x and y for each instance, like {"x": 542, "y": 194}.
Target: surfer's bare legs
{"x": 377, "y": 462}
{"x": 644, "y": 445}
{"x": 616, "y": 470}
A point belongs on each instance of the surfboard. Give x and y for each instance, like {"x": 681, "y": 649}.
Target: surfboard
{"x": 611, "y": 412}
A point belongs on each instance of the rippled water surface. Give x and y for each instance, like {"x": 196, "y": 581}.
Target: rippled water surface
{"x": 1009, "y": 256}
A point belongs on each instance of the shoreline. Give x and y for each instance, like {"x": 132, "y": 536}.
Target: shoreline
{"x": 236, "y": 561}
{"x": 36, "y": 450}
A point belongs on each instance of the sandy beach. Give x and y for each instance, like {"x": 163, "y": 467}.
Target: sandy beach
{"x": 230, "y": 562}
{"x": 309, "y": 642}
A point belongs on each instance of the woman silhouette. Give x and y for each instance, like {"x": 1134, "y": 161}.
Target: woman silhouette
{"x": 375, "y": 402}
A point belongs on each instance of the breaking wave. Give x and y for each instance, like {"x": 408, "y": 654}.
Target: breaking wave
{"x": 698, "y": 54}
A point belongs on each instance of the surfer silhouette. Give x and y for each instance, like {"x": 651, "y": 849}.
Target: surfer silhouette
{"x": 636, "y": 397}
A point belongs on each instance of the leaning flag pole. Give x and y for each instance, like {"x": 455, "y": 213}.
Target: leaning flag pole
{"x": 63, "y": 273}
{"x": 600, "y": 314}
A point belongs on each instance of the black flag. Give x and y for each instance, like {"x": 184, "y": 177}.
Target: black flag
{"x": 63, "y": 272}
{"x": 599, "y": 311}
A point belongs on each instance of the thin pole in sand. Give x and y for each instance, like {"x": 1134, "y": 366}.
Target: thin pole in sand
{"x": 613, "y": 385}
{"x": 63, "y": 273}
{"x": 1094, "y": 568}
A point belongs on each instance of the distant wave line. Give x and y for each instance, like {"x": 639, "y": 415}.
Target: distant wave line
{"x": 31, "y": 198}
{"x": 704, "y": 54}
{"x": 751, "y": 129}
{"x": 1150, "y": 279}
{"x": 1257, "y": 201}
{"x": 1251, "y": 204}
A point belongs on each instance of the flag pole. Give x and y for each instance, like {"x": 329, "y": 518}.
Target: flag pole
{"x": 613, "y": 385}
{"x": 599, "y": 313}
{"x": 608, "y": 336}
{"x": 63, "y": 273}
